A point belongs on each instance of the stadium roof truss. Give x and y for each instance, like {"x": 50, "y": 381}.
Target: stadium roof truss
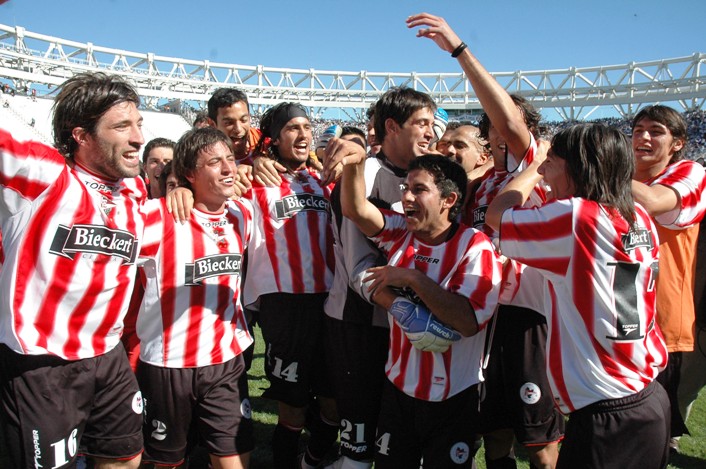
{"x": 574, "y": 93}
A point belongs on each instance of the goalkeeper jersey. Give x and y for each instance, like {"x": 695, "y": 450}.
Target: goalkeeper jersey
{"x": 599, "y": 296}
{"x": 465, "y": 264}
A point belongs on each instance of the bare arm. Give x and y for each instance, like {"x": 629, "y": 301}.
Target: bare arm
{"x": 496, "y": 102}
{"x": 657, "y": 199}
{"x": 513, "y": 195}
{"x": 451, "y": 309}
{"x": 354, "y": 204}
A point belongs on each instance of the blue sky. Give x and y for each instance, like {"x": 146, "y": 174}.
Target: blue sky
{"x": 371, "y": 35}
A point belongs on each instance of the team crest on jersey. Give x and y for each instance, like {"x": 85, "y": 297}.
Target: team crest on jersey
{"x": 212, "y": 266}
{"x": 94, "y": 239}
{"x": 460, "y": 452}
{"x": 479, "y": 216}
{"x": 292, "y": 204}
{"x": 634, "y": 239}
{"x": 530, "y": 393}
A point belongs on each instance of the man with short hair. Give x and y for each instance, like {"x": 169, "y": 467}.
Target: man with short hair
{"x": 72, "y": 223}
{"x": 449, "y": 276}
{"x": 229, "y": 112}
{"x": 191, "y": 324}
{"x": 673, "y": 190}
{"x": 357, "y": 335}
{"x": 158, "y": 152}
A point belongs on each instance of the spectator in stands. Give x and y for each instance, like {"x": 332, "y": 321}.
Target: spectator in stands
{"x": 517, "y": 393}
{"x": 201, "y": 120}
{"x": 672, "y": 190}
{"x": 158, "y": 152}
{"x": 229, "y": 112}
{"x": 67, "y": 387}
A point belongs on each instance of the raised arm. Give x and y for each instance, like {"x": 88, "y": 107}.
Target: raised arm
{"x": 496, "y": 102}
{"x": 354, "y": 204}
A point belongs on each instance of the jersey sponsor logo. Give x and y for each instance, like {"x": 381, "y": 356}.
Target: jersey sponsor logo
{"x": 479, "y": 216}
{"x": 634, "y": 239}
{"x": 530, "y": 393}
{"x": 460, "y": 452}
{"x": 94, "y": 239}
{"x": 428, "y": 260}
{"x": 212, "y": 266}
{"x": 292, "y": 204}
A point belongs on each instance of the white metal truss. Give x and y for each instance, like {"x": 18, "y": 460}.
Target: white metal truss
{"x": 29, "y": 58}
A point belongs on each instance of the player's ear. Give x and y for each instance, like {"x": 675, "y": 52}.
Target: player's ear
{"x": 391, "y": 126}
{"x": 449, "y": 201}
{"x": 190, "y": 176}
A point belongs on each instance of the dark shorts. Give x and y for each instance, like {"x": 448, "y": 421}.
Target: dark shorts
{"x": 632, "y": 432}
{"x": 205, "y": 402}
{"x": 292, "y": 328}
{"x": 409, "y": 429}
{"x": 55, "y": 409}
{"x": 355, "y": 358}
{"x": 516, "y": 392}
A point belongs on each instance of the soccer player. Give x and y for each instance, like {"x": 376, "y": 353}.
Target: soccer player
{"x": 672, "y": 190}
{"x": 290, "y": 269}
{"x": 71, "y": 222}
{"x": 604, "y": 349}
{"x": 430, "y": 399}
{"x": 357, "y": 335}
{"x": 229, "y": 112}
{"x": 158, "y": 152}
{"x": 517, "y": 395}
{"x": 191, "y": 325}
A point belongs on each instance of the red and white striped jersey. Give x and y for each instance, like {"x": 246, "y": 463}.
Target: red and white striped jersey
{"x": 496, "y": 180}
{"x": 292, "y": 246}
{"x": 599, "y": 296}
{"x": 70, "y": 242}
{"x": 688, "y": 179}
{"x": 465, "y": 264}
{"x": 191, "y": 315}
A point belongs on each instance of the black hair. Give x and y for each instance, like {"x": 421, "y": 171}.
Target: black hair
{"x": 600, "y": 163}
{"x": 158, "y": 142}
{"x": 531, "y": 115}
{"x": 448, "y": 175}
{"x": 225, "y": 97}
{"x": 671, "y": 119}
{"x": 399, "y": 104}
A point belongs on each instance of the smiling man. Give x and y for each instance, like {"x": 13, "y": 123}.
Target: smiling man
{"x": 229, "y": 112}
{"x": 449, "y": 276}
{"x": 158, "y": 152}
{"x": 72, "y": 223}
{"x": 191, "y": 325}
{"x": 672, "y": 190}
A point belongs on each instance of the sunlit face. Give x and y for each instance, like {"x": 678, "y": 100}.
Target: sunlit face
{"x": 294, "y": 142}
{"x": 465, "y": 147}
{"x": 653, "y": 144}
{"x": 555, "y": 173}
{"x": 234, "y": 121}
{"x": 413, "y": 137}
{"x": 112, "y": 150}
{"x": 154, "y": 164}
{"x": 214, "y": 177}
{"x": 425, "y": 211}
